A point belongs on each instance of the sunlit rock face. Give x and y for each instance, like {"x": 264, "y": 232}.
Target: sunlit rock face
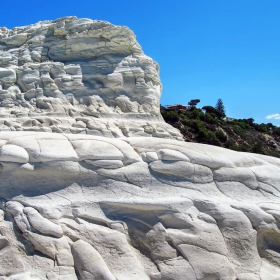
{"x": 79, "y": 76}
{"x": 91, "y": 203}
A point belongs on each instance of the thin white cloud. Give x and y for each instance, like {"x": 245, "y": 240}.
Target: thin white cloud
{"x": 274, "y": 116}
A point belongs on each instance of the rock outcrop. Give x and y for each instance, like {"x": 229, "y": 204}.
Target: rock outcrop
{"x": 79, "y": 76}
{"x": 80, "y": 206}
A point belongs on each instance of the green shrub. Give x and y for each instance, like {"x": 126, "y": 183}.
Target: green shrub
{"x": 197, "y": 125}
{"x": 243, "y": 125}
{"x": 171, "y": 116}
{"x": 231, "y": 145}
{"x": 207, "y": 137}
{"x": 202, "y": 135}
{"x": 212, "y": 139}
{"x": 245, "y": 148}
{"x": 221, "y": 135}
{"x": 238, "y": 130}
{"x": 208, "y": 118}
{"x": 262, "y": 127}
{"x": 186, "y": 121}
{"x": 194, "y": 113}
{"x": 276, "y": 131}
{"x": 257, "y": 148}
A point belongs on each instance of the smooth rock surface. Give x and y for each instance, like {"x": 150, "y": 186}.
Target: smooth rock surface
{"x": 208, "y": 216}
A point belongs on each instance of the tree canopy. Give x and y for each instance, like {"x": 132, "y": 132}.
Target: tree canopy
{"x": 211, "y": 110}
{"x": 220, "y": 106}
{"x": 193, "y": 102}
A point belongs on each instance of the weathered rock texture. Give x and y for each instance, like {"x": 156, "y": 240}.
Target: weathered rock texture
{"x": 79, "y": 76}
{"x": 77, "y": 206}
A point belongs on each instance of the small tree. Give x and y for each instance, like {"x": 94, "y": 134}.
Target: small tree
{"x": 220, "y": 106}
{"x": 270, "y": 126}
{"x": 250, "y": 121}
{"x": 193, "y": 102}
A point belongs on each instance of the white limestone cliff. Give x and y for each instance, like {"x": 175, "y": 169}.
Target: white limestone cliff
{"x": 81, "y": 206}
{"x": 79, "y": 76}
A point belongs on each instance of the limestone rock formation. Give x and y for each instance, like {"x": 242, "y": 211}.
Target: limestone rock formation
{"x": 79, "y": 76}
{"x": 80, "y": 206}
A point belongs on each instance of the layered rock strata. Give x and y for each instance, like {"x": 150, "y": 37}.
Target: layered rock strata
{"x": 79, "y": 76}
{"x": 76, "y": 205}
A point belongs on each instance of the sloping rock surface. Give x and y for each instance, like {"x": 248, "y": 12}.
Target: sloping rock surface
{"x": 89, "y": 207}
{"x": 85, "y": 194}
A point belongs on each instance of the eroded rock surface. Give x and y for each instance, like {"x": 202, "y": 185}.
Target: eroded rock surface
{"x": 89, "y": 207}
{"x": 84, "y": 194}
{"x": 79, "y": 76}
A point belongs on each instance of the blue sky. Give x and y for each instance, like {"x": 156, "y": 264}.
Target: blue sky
{"x": 206, "y": 49}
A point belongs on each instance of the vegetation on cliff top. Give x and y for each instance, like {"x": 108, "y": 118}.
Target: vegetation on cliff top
{"x": 209, "y": 125}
